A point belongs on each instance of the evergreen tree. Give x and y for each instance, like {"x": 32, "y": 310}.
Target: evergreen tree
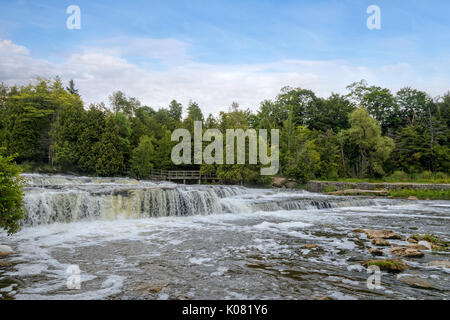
{"x": 141, "y": 162}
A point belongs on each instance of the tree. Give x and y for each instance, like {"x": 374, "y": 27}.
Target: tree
{"x": 93, "y": 128}
{"x": 332, "y": 113}
{"x": 71, "y": 88}
{"x": 372, "y": 148}
{"x": 108, "y": 151}
{"x": 11, "y": 194}
{"x": 412, "y": 104}
{"x": 379, "y": 102}
{"x": 121, "y": 103}
{"x": 141, "y": 162}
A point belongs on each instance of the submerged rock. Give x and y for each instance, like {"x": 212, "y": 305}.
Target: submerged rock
{"x": 413, "y": 198}
{"x": 358, "y": 230}
{"x": 380, "y": 242}
{"x": 440, "y": 263}
{"x": 153, "y": 287}
{"x": 310, "y": 246}
{"x": 323, "y": 298}
{"x": 416, "y": 282}
{"x": 376, "y": 251}
{"x": 407, "y": 252}
{"x": 5, "y": 250}
{"x": 390, "y": 265}
{"x": 384, "y": 234}
{"x": 411, "y": 240}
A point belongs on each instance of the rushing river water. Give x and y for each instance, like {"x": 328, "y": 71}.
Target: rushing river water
{"x": 145, "y": 240}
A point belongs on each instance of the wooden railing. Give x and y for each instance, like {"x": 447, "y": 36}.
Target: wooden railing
{"x": 181, "y": 175}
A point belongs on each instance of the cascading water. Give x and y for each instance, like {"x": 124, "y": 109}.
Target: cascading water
{"x": 67, "y": 199}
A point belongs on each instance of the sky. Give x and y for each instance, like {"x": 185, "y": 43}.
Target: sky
{"x": 216, "y": 52}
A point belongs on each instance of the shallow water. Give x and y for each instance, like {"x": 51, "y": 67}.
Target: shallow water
{"x": 203, "y": 242}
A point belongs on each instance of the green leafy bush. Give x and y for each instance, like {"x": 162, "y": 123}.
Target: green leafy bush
{"x": 11, "y": 195}
{"x": 399, "y": 176}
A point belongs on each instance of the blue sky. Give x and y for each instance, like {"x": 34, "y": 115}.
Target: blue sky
{"x": 216, "y": 52}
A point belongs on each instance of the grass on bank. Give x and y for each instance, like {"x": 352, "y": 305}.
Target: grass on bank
{"x": 420, "y": 194}
{"x": 400, "y": 176}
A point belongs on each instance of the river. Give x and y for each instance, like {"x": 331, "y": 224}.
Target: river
{"x": 147, "y": 240}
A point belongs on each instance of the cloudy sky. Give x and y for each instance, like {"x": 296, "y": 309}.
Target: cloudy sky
{"x": 216, "y": 52}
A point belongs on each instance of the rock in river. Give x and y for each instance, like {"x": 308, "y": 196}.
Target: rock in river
{"x": 384, "y": 234}
{"x": 440, "y": 263}
{"x": 376, "y": 251}
{"x": 416, "y": 282}
{"x": 310, "y": 246}
{"x": 407, "y": 252}
{"x": 380, "y": 242}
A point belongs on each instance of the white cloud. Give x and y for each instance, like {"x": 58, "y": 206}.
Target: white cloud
{"x": 170, "y": 50}
{"x": 98, "y": 73}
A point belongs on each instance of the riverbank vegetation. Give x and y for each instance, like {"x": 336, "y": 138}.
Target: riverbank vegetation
{"x": 367, "y": 133}
{"x": 426, "y": 194}
{"x": 11, "y": 195}
{"x": 402, "y": 177}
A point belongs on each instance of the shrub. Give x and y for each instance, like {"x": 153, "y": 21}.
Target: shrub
{"x": 11, "y": 195}
{"x": 399, "y": 176}
{"x": 440, "y": 176}
{"x": 426, "y": 175}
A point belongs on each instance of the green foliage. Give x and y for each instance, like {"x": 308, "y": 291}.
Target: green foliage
{"x": 11, "y": 195}
{"x": 141, "y": 160}
{"x": 372, "y": 149}
{"x": 427, "y": 194}
{"x": 342, "y": 137}
{"x": 399, "y": 176}
{"x": 109, "y": 150}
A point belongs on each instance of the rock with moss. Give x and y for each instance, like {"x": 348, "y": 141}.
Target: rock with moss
{"x": 389, "y": 265}
{"x": 432, "y": 241}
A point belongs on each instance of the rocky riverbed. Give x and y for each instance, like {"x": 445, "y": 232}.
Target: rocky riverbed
{"x": 228, "y": 244}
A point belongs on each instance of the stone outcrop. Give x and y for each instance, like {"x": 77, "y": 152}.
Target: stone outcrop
{"x": 280, "y": 182}
{"x": 359, "y": 192}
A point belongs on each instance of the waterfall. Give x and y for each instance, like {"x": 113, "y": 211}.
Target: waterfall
{"x": 61, "y": 198}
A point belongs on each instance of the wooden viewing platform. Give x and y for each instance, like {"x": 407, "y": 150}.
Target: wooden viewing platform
{"x": 182, "y": 175}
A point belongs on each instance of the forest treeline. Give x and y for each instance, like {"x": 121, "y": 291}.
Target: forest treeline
{"x": 368, "y": 132}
